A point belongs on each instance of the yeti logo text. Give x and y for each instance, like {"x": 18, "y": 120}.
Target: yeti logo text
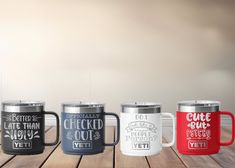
{"x": 16, "y": 144}
{"x": 140, "y": 145}
{"x": 82, "y": 145}
{"x": 197, "y": 144}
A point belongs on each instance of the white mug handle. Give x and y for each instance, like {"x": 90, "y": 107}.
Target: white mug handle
{"x": 173, "y": 122}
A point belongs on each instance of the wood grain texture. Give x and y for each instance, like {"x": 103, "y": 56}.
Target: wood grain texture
{"x": 33, "y": 161}
{"x": 226, "y": 155}
{"x": 4, "y": 158}
{"x": 123, "y": 161}
{"x": 191, "y": 160}
{"x": 102, "y": 160}
{"x": 60, "y": 160}
{"x": 167, "y": 158}
{"x": 226, "y": 135}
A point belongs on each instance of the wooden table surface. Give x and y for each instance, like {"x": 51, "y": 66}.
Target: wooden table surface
{"x": 53, "y": 157}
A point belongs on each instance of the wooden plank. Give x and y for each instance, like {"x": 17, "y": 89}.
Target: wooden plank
{"x": 5, "y": 157}
{"x": 226, "y": 135}
{"x": 102, "y": 160}
{"x": 124, "y": 161}
{"x": 33, "y": 161}
{"x": 191, "y": 160}
{"x": 60, "y": 160}
{"x": 227, "y": 153}
{"x": 167, "y": 158}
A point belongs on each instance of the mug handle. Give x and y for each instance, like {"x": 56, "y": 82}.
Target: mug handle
{"x": 57, "y": 128}
{"x": 233, "y": 128}
{"x": 118, "y": 129}
{"x": 173, "y": 122}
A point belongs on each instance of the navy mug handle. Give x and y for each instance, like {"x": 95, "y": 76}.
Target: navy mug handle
{"x": 57, "y": 128}
{"x": 118, "y": 129}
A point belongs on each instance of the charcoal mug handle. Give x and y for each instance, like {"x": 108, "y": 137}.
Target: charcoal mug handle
{"x": 57, "y": 128}
{"x": 118, "y": 129}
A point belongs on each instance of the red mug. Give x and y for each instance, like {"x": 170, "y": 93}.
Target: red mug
{"x": 198, "y": 127}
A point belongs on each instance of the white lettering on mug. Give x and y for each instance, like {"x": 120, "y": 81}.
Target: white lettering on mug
{"x": 95, "y": 124}
{"x": 198, "y": 120}
{"x": 198, "y": 132}
{"x": 79, "y": 129}
{"x": 22, "y": 144}
{"x": 82, "y": 145}
{"x": 83, "y": 135}
{"x": 197, "y": 144}
{"x": 141, "y": 132}
{"x": 21, "y": 129}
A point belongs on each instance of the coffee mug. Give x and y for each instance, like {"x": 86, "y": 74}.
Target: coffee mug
{"x": 23, "y": 127}
{"x": 83, "y": 128}
{"x": 141, "y": 129}
{"x": 198, "y": 127}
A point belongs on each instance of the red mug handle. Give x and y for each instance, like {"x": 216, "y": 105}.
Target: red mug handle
{"x": 233, "y": 128}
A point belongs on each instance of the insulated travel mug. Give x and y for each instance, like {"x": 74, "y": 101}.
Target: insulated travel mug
{"x": 23, "y": 124}
{"x": 141, "y": 129}
{"x": 83, "y": 128}
{"x": 198, "y": 127}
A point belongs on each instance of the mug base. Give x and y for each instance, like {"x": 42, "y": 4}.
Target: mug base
{"x": 82, "y": 153}
{"x": 22, "y": 153}
{"x": 193, "y": 153}
{"x": 137, "y": 154}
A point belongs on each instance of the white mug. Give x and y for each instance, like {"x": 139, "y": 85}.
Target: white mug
{"x": 141, "y": 129}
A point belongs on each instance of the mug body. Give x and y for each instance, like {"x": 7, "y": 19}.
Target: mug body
{"x": 82, "y": 128}
{"x": 198, "y": 127}
{"x": 22, "y": 127}
{"x": 141, "y": 129}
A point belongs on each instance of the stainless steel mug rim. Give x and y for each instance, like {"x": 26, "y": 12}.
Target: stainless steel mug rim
{"x": 198, "y": 106}
{"x": 23, "y": 106}
{"x": 82, "y": 107}
{"x": 141, "y": 107}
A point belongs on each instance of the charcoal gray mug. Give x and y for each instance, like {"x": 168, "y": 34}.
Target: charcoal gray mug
{"x": 23, "y": 124}
{"x": 83, "y": 128}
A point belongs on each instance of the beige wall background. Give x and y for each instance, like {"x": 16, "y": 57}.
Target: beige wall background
{"x": 117, "y": 51}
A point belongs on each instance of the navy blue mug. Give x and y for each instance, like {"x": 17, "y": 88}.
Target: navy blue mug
{"x": 83, "y": 128}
